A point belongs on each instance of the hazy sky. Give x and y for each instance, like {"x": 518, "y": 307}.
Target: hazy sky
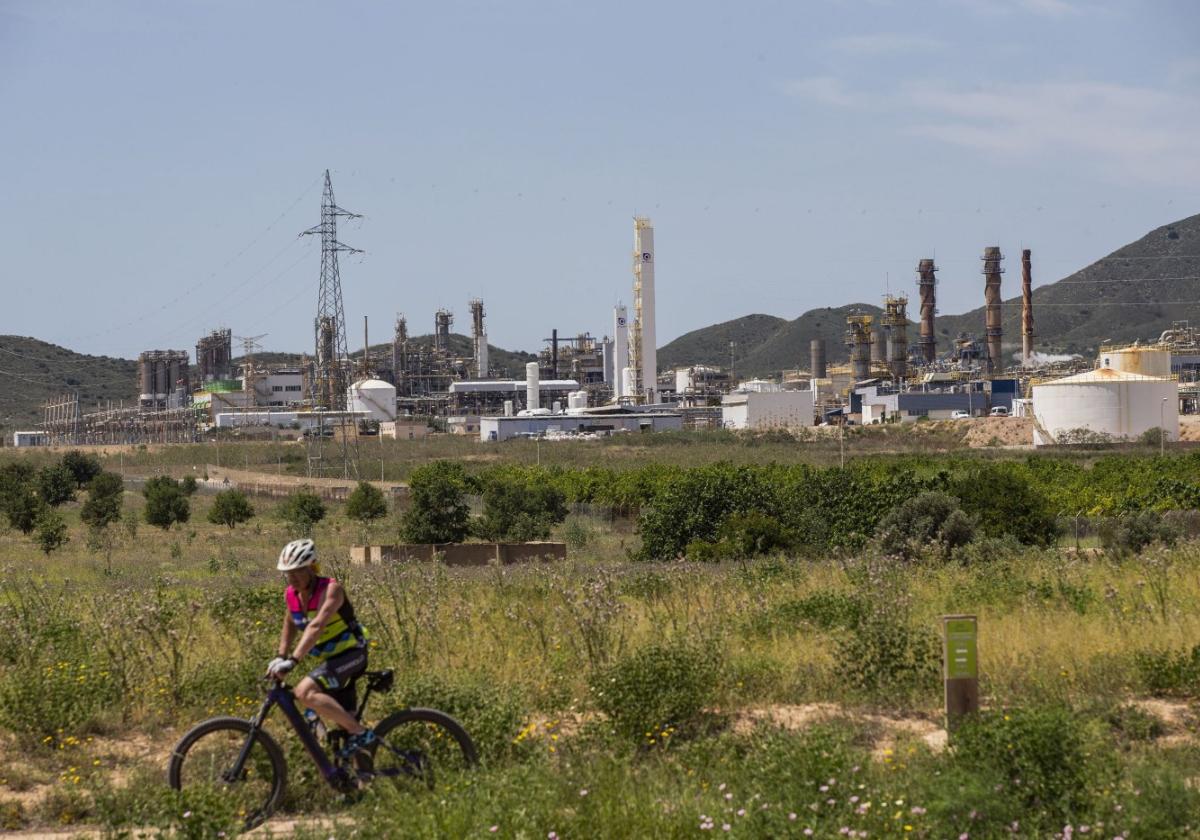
{"x": 160, "y": 158}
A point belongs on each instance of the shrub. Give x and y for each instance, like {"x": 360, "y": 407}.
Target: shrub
{"x": 189, "y": 485}
{"x": 930, "y": 518}
{"x": 519, "y": 511}
{"x": 1131, "y": 533}
{"x": 1005, "y": 500}
{"x": 302, "y": 510}
{"x": 230, "y": 508}
{"x": 486, "y": 709}
{"x": 1165, "y": 672}
{"x": 366, "y": 503}
{"x": 437, "y": 512}
{"x": 106, "y": 494}
{"x": 166, "y": 503}
{"x": 886, "y": 654}
{"x": 1047, "y": 755}
{"x": 83, "y": 468}
{"x": 51, "y": 531}
{"x": 656, "y": 689}
{"x": 55, "y": 485}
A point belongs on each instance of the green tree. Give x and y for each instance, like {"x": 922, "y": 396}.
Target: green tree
{"x": 106, "y": 493}
{"x": 930, "y": 518}
{"x": 51, "y": 531}
{"x": 55, "y": 484}
{"x": 189, "y": 485}
{"x": 230, "y": 508}
{"x": 83, "y": 467}
{"x": 520, "y": 511}
{"x": 366, "y": 503}
{"x": 302, "y": 510}
{"x": 437, "y": 511}
{"x": 1005, "y": 500}
{"x": 166, "y": 502}
{"x": 17, "y": 499}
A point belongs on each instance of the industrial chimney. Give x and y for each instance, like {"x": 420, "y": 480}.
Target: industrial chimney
{"x": 643, "y": 351}
{"x": 816, "y": 350}
{"x": 1026, "y": 308}
{"x": 928, "y": 284}
{"x": 991, "y": 296}
{"x": 878, "y": 341}
{"x": 479, "y": 338}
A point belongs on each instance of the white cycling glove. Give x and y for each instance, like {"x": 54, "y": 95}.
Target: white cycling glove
{"x": 281, "y": 665}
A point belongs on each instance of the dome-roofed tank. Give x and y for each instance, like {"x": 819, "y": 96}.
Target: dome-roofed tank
{"x": 375, "y": 398}
{"x": 1113, "y": 403}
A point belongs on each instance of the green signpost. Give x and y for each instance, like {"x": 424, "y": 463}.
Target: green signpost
{"x": 960, "y": 657}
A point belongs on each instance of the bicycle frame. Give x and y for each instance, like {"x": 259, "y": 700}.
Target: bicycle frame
{"x": 281, "y": 695}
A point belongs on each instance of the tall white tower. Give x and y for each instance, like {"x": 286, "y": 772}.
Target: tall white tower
{"x": 643, "y": 351}
{"x": 620, "y": 359}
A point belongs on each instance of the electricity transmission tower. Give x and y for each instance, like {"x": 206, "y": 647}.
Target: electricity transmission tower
{"x": 331, "y": 367}
{"x": 332, "y": 357}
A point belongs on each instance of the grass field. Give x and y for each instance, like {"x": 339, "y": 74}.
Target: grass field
{"x": 776, "y": 697}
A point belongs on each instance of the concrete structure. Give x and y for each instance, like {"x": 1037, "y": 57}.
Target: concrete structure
{"x": 767, "y": 410}
{"x": 277, "y": 387}
{"x": 927, "y": 272}
{"x": 1104, "y": 402}
{"x": 817, "y": 362}
{"x": 373, "y": 399}
{"x": 404, "y": 428}
{"x": 467, "y": 424}
{"x": 876, "y": 403}
{"x": 459, "y": 554}
{"x": 23, "y": 439}
{"x": 594, "y": 422}
{"x": 991, "y": 295}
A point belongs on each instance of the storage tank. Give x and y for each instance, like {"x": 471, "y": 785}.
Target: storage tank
{"x": 577, "y": 400}
{"x": 162, "y": 379}
{"x": 375, "y": 398}
{"x": 533, "y": 396}
{"x": 1105, "y": 402}
{"x": 1147, "y": 361}
{"x": 878, "y": 343}
{"x": 145, "y": 378}
{"x": 816, "y": 351}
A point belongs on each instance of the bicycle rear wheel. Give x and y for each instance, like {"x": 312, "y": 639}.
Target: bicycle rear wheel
{"x": 421, "y": 746}
{"x": 207, "y": 759}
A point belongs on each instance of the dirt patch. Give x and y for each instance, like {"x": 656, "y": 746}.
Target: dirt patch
{"x": 890, "y": 729}
{"x": 1178, "y": 718}
{"x": 998, "y": 431}
{"x": 1189, "y": 427}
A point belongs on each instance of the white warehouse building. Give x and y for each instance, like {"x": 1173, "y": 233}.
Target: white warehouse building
{"x": 1105, "y": 401}
{"x": 767, "y": 409}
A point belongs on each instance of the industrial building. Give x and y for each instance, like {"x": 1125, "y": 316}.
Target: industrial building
{"x": 503, "y": 428}
{"x": 760, "y": 409}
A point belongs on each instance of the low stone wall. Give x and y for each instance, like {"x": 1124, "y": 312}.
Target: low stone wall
{"x": 460, "y": 554}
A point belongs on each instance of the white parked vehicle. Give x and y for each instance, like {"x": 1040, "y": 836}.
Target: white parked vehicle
{"x": 998, "y": 411}
{"x": 961, "y": 414}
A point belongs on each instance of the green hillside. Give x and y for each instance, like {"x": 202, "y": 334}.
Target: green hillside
{"x": 710, "y": 345}
{"x": 33, "y": 371}
{"x": 1135, "y": 292}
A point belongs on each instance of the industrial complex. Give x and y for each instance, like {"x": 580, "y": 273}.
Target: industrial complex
{"x": 583, "y": 386}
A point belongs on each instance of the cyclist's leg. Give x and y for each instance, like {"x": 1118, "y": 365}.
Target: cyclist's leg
{"x": 330, "y": 675}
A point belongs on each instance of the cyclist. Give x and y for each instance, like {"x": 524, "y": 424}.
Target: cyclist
{"x": 318, "y": 608}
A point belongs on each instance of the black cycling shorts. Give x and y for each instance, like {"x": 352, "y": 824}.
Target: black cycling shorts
{"x": 337, "y": 674}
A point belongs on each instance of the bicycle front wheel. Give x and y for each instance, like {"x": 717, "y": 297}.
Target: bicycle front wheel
{"x": 422, "y": 746}
{"x": 224, "y": 755}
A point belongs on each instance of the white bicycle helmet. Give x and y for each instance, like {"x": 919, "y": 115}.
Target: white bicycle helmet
{"x": 296, "y": 555}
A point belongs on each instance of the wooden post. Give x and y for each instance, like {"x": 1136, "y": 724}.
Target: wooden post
{"x": 960, "y": 667}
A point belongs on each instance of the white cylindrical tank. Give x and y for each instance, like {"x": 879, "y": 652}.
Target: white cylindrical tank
{"x": 620, "y": 348}
{"x": 481, "y": 357}
{"x": 508, "y": 408}
{"x": 533, "y": 397}
{"x": 556, "y": 407}
{"x": 1147, "y": 361}
{"x": 1107, "y": 402}
{"x": 577, "y": 399}
{"x": 375, "y": 398}
{"x": 627, "y": 380}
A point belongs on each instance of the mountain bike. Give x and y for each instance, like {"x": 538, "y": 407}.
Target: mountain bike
{"x": 241, "y": 759}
